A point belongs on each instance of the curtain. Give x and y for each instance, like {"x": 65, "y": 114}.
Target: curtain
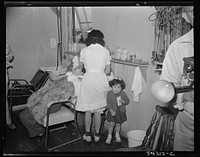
{"x": 169, "y": 25}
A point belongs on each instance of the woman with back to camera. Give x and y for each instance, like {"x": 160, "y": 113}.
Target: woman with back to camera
{"x": 94, "y": 87}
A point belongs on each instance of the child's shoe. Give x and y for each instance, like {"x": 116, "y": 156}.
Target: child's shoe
{"x": 118, "y": 139}
{"x": 87, "y": 138}
{"x": 108, "y": 140}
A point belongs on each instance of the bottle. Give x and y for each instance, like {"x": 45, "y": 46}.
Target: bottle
{"x": 134, "y": 56}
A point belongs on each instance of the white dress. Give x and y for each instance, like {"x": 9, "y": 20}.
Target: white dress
{"x": 94, "y": 86}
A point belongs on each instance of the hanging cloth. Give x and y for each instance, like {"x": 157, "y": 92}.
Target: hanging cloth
{"x": 137, "y": 84}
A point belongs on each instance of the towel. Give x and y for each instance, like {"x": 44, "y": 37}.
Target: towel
{"x": 75, "y": 62}
{"x": 137, "y": 84}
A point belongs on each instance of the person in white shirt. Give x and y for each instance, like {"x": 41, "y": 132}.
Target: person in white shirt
{"x": 9, "y": 60}
{"x": 172, "y": 71}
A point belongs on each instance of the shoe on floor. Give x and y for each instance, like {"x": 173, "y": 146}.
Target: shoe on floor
{"x": 96, "y": 138}
{"x": 12, "y": 126}
{"x": 87, "y": 138}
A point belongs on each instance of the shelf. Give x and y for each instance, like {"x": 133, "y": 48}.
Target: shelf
{"x": 72, "y": 53}
{"x": 158, "y": 63}
{"x": 130, "y": 63}
{"x": 145, "y": 64}
{"x": 158, "y": 69}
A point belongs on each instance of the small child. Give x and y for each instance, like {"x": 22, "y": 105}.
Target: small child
{"x": 116, "y": 102}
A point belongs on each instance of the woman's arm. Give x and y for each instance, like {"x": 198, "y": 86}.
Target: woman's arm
{"x": 107, "y": 69}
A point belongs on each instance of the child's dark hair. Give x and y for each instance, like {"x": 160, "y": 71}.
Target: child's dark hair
{"x": 117, "y": 81}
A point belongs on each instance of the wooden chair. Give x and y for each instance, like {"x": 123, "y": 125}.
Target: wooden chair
{"x": 160, "y": 133}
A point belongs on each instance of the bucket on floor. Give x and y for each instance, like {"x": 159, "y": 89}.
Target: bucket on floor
{"x": 135, "y": 137}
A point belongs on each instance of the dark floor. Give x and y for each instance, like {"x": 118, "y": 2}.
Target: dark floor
{"x": 18, "y": 142}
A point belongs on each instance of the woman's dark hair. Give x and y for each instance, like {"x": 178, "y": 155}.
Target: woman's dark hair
{"x": 117, "y": 81}
{"x": 95, "y": 37}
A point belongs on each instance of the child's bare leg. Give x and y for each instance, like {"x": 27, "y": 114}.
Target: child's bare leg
{"x": 111, "y": 126}
{"x": 117, "y": 130}
{"x": 110, "y": 131}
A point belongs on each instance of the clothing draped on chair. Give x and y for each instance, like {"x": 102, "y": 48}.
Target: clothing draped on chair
{"x": 60, "y": 89}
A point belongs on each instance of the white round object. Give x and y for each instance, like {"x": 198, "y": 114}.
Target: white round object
{"x": 163, "y": 91}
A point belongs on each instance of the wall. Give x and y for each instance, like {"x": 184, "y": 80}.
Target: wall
{"x": 129, "y": 27}
{"x": 29, "y": 31}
